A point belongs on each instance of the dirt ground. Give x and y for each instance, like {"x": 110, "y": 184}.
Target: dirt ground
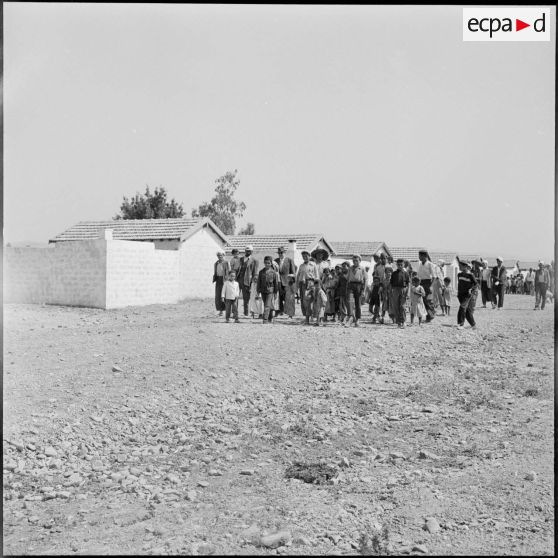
{"x": 164, "y": 430}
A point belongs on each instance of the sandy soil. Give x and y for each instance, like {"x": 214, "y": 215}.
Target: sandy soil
{"x": 164, "y": 430}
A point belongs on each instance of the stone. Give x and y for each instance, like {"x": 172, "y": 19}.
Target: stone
{"x": 215, "y": 473}
{"x": 431, "y": 525}
{"x": 50, "y": 452}
{"x": 420, "y": 548}
{"x": 397, "y": 455}
{"x": 302, "y": 541}
{"x": 203, "y": 484}
{"x": 248, "y": 472}
{"x": 116, "y": 368}
{"x": 275, "y": 540}
{"x": 191, "y": 495}
{"x": 531, "y": 476}
{"x": 64, "y": 494}
{"x": 10, "y": 465}
{"x": 423, "y": 454}
{"x": 174, "y": 479}
{"x": 97, "y": 465}
{"x": 206, "y": 549}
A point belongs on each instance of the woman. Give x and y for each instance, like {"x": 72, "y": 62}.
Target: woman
{"x": 221, "y": 271}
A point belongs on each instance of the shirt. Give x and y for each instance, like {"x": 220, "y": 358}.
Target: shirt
{"x": 357, "y": 275}
{"x": 426, "y": 270}
{"x": 486, "y": 274}
{"x": 235, "y": 264}
{"x": 219, "y": 269}
{"x": 399, "y": 278}
{"x": 231, "y": 290}
{"x": 306, "y": 271}
{"x": 465, "y": 282}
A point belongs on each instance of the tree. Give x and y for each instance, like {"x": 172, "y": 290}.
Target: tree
{"x": 250, "y": 228}
{"x": 150, "y": 206}
{"x": 223, "y": 209}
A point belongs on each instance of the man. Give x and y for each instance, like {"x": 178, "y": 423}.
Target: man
{"x": 399, "y": 283}
{"x": 542, "y": 282}
{"x": 437, "y": 296}
{"x": 247, "y": 275}
{"x": 467, "y": 285}
{"x": 234, "y": 262}
{"x": 307, "y": 271}
{"x": 220, "y": 274}
{"x": 356, "y": 282}
{"x": 427, "y": 273}
{"x": 499, "y": 279}
{"x": 530, "y": 282}
{"x": 485, "y": 283}
{"x": 286, "y": 267}
{"x": 268, "y": 286}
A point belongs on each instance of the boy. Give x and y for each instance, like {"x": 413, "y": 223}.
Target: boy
{"x": 229, "y": 295}
{"x": 267, "y": 287}
{"x": 466, "y": 288}
{"x": 386, "y": 297}
{"x": 356, "y": 282}
{"x": 399, "y": 291}
{"x": 319, "y": 301}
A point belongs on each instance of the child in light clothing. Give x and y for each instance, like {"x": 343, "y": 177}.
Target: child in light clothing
{"x": 229, "y": 295}
{"x": 417, "y": 304}
{"x": 386, "y": 299}
{"x": 446, "y": 296}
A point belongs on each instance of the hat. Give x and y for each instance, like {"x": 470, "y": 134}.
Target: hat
{"x": 346, "y": 263}
{"x": 423, "y": 252}
{"x": 357, "y": 256}
{"x": 441, "y": 262}
{"x": 249, "y": 247}
{"x": 465, "y": 262}
{"x": 220, "y": 253}
{"x": 234, "y": 251}
{"x": 281, "y": 249}
{"x": 499, "y": 259}
{"x": 305, "y": 252}
{"x": 400, "y": 260}
{"x": 541, "y": 262}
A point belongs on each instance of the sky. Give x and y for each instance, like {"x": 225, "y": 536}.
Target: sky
{"x": 363, "y": 123}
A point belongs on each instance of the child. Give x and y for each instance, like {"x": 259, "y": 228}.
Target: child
{"x": 386, "y": 301}
{"x": 268, "y": 287}
{"x": 417, "y": 304}
{"x": 466, "y": 286}
{"x": 329, "y": 285}
{"x": 319, "y": 301}
{"x": 376, "y": 295}
{"x": 229, "y": 295}
{"x": 290, "y": 296}
{"x": 446, "y": 296}
{"x": 341, "y": 291}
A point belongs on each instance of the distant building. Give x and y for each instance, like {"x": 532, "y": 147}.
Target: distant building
{"x": 345, "y": 250}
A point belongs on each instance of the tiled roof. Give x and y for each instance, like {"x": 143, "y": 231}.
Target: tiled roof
{"x": 410, "y": 254}
{"x": 137, "y": 229}
{"x": 270, "y": 242}
{"x": 365, "y": 249}
{"x": 448, "y": 257}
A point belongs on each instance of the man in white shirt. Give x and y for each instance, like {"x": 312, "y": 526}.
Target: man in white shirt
{"x": 530, "y": 282}
{"x": 427, "y": 273}
{"x": 485, "y": 283}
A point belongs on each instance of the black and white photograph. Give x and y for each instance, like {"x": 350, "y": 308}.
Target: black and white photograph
{"x": 278, "y": 279}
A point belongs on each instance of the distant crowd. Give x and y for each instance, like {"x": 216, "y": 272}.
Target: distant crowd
{"x": 392, "y": 289}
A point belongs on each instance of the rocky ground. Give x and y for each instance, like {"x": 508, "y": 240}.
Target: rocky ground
{"x": 164, "y": 430}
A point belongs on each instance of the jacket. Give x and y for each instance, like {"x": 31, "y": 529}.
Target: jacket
{"x": 501, "y": 276}
{"x": 285, "y": 269}
{"x": 248, "y": 270}
{"x": 268, "y": 283}
{"x": 226, "y": 269}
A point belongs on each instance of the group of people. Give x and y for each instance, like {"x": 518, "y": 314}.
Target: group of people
{"x": 336, "y": 293}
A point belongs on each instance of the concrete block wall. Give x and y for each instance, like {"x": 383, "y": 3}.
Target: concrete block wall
{"x": 197, "y": 256}
{"x": 78, "y": 274}
{"x": 27, "y": 274}
{"x": 138, "y": 274}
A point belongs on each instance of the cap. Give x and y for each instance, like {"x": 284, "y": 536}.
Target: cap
{"x": 249, "y": 247}
{"x": 281, "y": 249}
{"x": 357, "y": 256}
{"x": 499, "y": 259}
{"x": 220, "y": 253}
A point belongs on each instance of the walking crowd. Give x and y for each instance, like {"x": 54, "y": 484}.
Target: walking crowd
{"x": 391, "y": 289}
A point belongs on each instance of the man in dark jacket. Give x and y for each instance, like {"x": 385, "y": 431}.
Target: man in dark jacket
{"x": 286, "y": 268}
{"x": 499, "y": 278}
{"x": 542, "y": 282}
{"x": 399, "y": 291}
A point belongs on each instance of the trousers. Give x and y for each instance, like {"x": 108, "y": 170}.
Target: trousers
{"x": 466, "y": 309}
{"x": 354, "y": 292}
{"x": 540, "y": 295}
{"x": 498, "y": 294}
{"x": 231, "y": 305}
{"x": 426, "y": 284}
{"x": 398, "y": 301}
